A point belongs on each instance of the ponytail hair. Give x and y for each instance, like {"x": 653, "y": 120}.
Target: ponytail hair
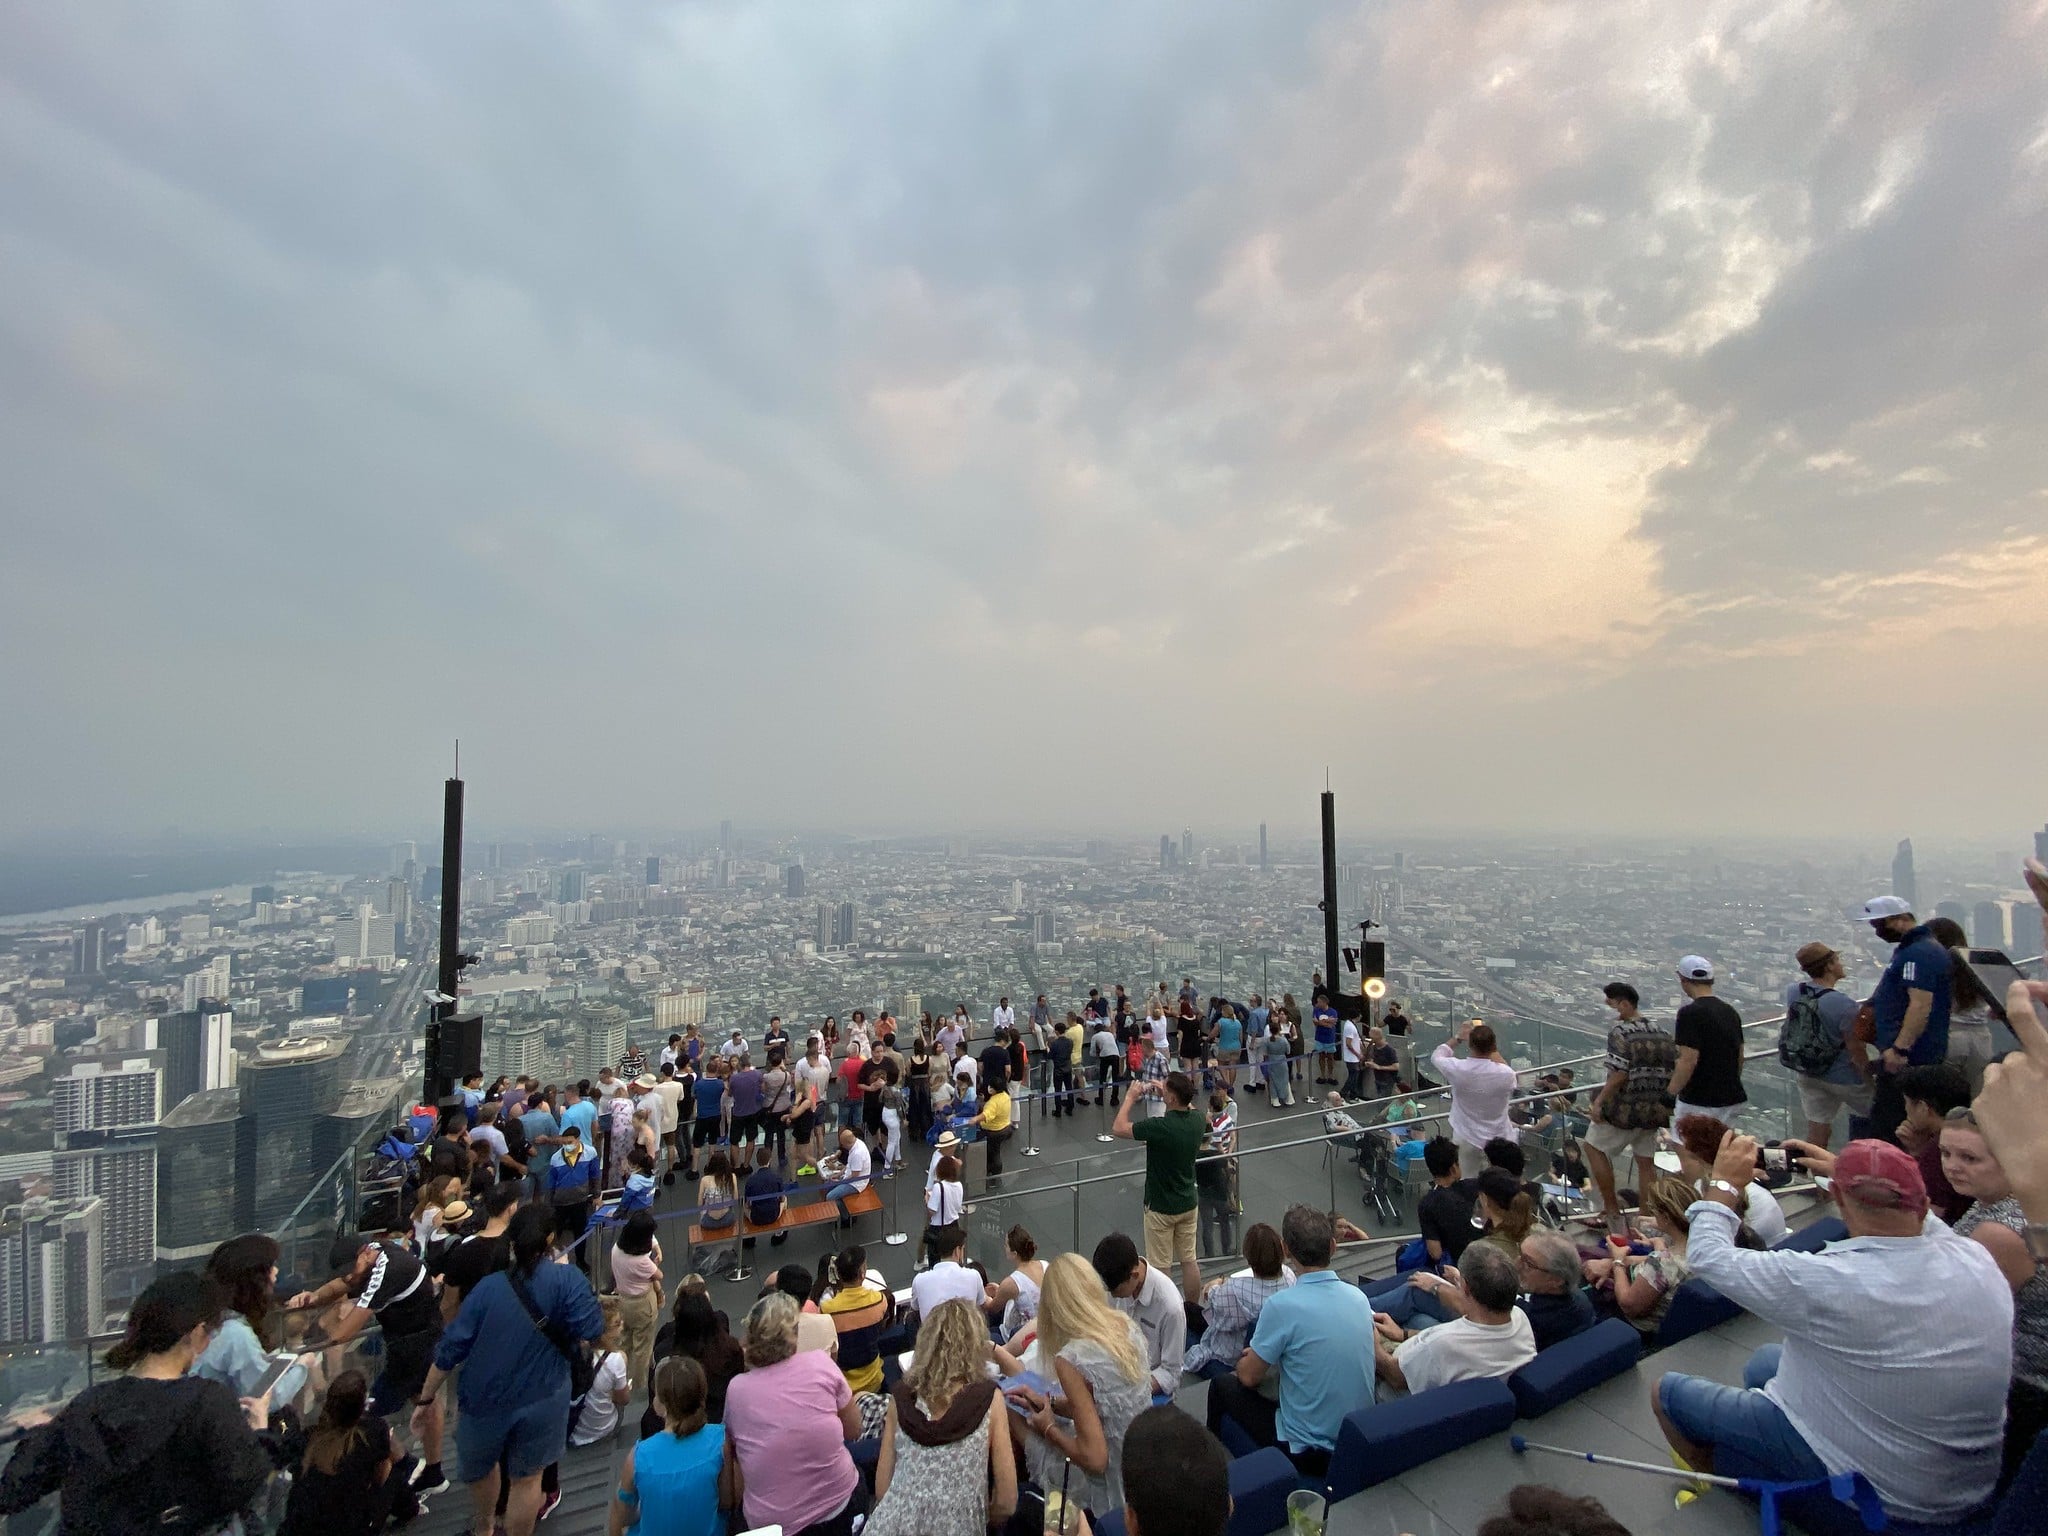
{"x": 167, "y": 1310}
{"x": 1504, "y": 1190}
{"x": 532, "y": 1233}
{"x": 341, "y": 1422}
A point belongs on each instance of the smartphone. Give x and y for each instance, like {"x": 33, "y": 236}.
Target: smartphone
{"x": 1995, "y": 974}
{"x": 1771, "y": 1159}
{"x": 279, "y": 1364}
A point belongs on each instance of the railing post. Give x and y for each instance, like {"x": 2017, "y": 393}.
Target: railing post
{"x": 1030, "y": 1121}
{"x": 896, "y": 1237}
{"x": 1075, "y": 1245}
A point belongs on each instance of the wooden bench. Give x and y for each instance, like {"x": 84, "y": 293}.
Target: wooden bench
{"x": 793, "y": 1216}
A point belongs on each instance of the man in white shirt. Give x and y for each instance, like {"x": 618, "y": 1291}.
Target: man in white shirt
{"x": 1151, "y": 1300}
{"x": 1004, "y": 1017}
{"x": 1897, "y": 1353}
{"x": 947, "y": 1280}
{"x": 1492, "y": 1339}
{"x": 670, "y": 1053}
{"x": 950, "y": 1035}
{"x": 1354, "y": 1061}
{"x": 1481, "y": 1086}
{"x": 849, "y": 1171}
{"x": 668, "y": 1094}
{"x": 733, "y": 1046}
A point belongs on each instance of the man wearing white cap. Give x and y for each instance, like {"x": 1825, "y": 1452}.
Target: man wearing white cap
{"x": 1909, "y": 1008}
{"x": 1708, "y": 1077}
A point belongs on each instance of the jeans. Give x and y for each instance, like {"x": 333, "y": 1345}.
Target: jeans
{"x": 1748, "y": 1432}
{"x": 1062, "y": 1088}
{"x": 1259, "y": 1418}
{"x": 839, "y": 1194}
{"x": 892, "y": 1153}
{"x": 1108, "y": 1075}
{"x": 1354, "y": 1081}
{"x": 1407, "y": 1303}
{"x": 1218, "y": 1217}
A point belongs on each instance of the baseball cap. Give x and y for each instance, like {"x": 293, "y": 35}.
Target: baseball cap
{"x": 1876, "y": 1173}
{"x": 1880, "y": 907}
{"x": 1696, "y": 968}
{"x": 1813, "y": 958}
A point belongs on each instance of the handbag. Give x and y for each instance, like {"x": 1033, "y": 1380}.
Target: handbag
{"x": 582, "y": 1369}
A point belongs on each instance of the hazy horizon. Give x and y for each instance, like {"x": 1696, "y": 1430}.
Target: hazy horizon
{"x": 1562, "y": 422}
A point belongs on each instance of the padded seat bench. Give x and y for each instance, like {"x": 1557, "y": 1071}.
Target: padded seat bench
{"x": 793, "y": 1216}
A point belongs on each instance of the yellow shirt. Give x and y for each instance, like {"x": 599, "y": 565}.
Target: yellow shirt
{"x": 995, "y": 1113}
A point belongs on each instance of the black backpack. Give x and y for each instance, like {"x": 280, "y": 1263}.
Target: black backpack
{"x": 1807, "y": 1043}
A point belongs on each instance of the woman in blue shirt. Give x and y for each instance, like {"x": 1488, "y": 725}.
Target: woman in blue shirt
{"x": 245, "y": 1269}
{"x": 668, "y": 1485}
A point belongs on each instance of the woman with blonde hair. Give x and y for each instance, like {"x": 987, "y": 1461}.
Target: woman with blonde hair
{"x": 945, "y": 1467}
{"x": 1643, "y": 1284}
{"x": 1075, "y": 1436}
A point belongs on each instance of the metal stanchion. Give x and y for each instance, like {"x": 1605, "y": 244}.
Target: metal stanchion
{"x": 897, "y": 1237}
{"x": 1102, "y": 1125}
{"x": 1030, "y": 1122}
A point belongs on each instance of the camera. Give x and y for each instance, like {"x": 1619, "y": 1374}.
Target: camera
{"x": 1772, "y": 1158}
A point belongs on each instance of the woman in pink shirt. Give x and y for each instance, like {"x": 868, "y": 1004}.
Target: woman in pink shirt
{"x": 787, "y": 1421}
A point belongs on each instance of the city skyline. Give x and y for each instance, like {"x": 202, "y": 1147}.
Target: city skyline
{"x": 1557, "y": 422}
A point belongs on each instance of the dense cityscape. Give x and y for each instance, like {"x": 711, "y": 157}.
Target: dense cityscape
{"x": 171, "y": 1075}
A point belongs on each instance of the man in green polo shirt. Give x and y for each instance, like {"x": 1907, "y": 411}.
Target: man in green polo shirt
{"x": 1172, "y": 1143}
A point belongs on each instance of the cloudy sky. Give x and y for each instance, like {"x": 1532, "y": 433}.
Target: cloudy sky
{"x": 1550, "y": 416}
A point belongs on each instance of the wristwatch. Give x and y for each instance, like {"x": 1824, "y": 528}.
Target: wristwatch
{"x": 1725, "y": 1187}
{"x": 2036, "y": 1239}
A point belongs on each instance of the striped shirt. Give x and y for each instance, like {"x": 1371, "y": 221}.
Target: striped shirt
{"x": 1232, "y": 1311}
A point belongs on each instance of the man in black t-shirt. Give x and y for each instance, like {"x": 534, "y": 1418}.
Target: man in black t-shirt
{"x": 1445, "y": 1213}
{"x": 489, "y": 1250}
{"x": 1708, "y": 1077}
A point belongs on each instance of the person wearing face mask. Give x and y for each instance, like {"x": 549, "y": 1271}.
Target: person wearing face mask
{"x": 155, "y": 1448}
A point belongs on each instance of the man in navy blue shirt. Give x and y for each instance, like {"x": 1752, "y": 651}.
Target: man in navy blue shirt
{"x": 1909, "y": 1008}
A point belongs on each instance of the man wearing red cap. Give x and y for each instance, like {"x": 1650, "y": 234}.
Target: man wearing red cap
{"x": 1897, "y": 1352}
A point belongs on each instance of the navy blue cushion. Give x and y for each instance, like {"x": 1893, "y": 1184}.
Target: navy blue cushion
{"x": 1694, "y": 1309}
{"x": 1387, "y": 1439}
{"x": 1236, "y": 1439}
{"x": 1259, "y": 1485}
{"x": 1577, "y": 1364}
{"x": 1808, "y": 1239}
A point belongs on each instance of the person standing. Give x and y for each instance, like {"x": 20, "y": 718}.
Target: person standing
{"x": 1909, "y": 1009}
{"x": 1481, "y": 1085}
{"x": 1629, "y": 1109}
{"x": 1324, "y": 1018}
{"x": 1385, "y": 1062}
{"x": 1172, "y": 1141}
{"x": 813, "y": 1078}
{"x": 1066, "y": 1063}
{"x": 994, "y": 1121}
{"x": 1817, "y": 1044}
{"x": 1216, "y": 1178}
{"x": 743, "y": 1093}
{"x": 1708, "y": 1077}
{"x": 1109, "y": 1056}
{"x": 1229, "y": 1047}
{"x": 1353, "y": 1050}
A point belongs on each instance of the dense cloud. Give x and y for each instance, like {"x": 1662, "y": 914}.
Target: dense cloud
{"x": 1549, "y": 415}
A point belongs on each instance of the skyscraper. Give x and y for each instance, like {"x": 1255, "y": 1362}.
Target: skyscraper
{"x": 1903, "y": 885}
{"x": 725, "y": 838}
{"x": 653, "y": 869}
{"x": 1187, "y": 845}
{"x": 1016, "y": 896}
{"x": 1987, "y": 925}
{"x": 89, "y": 950}
{"x": 908, "y": 1008}
{"x": 1044, "y": 929}
{"x": 602, "y": 1037}
{"x": 1263, "y": 863}
{"x": 793, "y": 882}
{"x": 106, "y": 1093}
{"x": 260, "y": 896}
{"x": 52, "y": 1260}
{"x": 210, "y": 980}
{"x": 198, "y": 1050}
{"x": 823, "y": 935}
{"x": 284, "y": 1089}
{"x": 517, "y": 1049}
{"x": 842, "y": 926}
{"x": 200, "y": 1197}
{"x": 1165, "y": 851}
{"x": 572, "y": 885}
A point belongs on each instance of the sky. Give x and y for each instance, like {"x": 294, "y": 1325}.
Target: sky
{"x": 1562, "y": 416}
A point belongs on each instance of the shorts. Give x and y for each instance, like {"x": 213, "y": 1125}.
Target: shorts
{"x": 1821, "y": 1101}
{"x": 1169, "y": 1239}
{"x": 1749, "y": 1432}
{"x": 526, "y": 1440}
{"x": 1618, "y": 1141}
{"x": 802, "y": 1126}
{"x": 1326, "y": 1038}
{"x": 407, "y": 1359}
{"x": 1725, "y": 1113}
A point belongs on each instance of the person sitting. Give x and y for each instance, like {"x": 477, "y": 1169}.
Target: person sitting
{"x": 1553, "y": 1296}
{"x": 946, "y": 1462}
{"x": 669, "y": 1482}
{"x": 1697, "y": 1140}
{"x": 1176, "y": 1477}
{"x": 1143, "y": 1293}
{"x": 1639, "y": 1286}
{"x": 787, "y": 1421}
{"x": 718, "y": 1207}
{"x": 948, "y": 1280}
{"x": 1490, "y": 1337}
{"x": 848, "y": 1173}
{"x": 1315, "y": 1335}
{"x": 1897, "y": 1350}
{"x": 1508, "y": 1155}
{"x": 1016, "y": 1298}
{"x": 1075, "y": 1434}
{"x": 859, "y": 1307}
{"x": 1509, "y": 1210}
{"x": 1229, "y": 1309}
{"x": 764, "y": 1192}
{"x": 352, "y": 1480}
{"x": 1929, "y": 1093}
{"x": 699, "y": 1333}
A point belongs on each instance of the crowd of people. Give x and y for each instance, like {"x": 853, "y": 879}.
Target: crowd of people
{"x": 1914, "y": 1352}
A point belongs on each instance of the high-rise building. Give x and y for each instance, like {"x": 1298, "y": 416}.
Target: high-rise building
{"x": 365, "y": 1108}
{"x": 823, "y": 936}
{"x": 843, "y": 926}
{"x": 524, "y": 932}
{"x": 793, "y": 882}
{"x": 194, "y": 928}
{"x": 261, "y": 896}
{"x": 210, "y": 980}
{"x": 120, "y": 1170}
{"x": 1263, "y": 864}
{"x": 1987, "y": 925}
{"x": 89, "y": 950}
{"x": 721, "y": 873}
{"x": 725, "y": 838}
{"x": 403, "y": 854}
{"x": 284, "y": 1090}
{"x": 1165, "y": 851}
{"x": 198, "y": 1050}
{"x": 1187, "y": 845}
{"x": 517, "y": 1049}
{"x": 571, "y": 885}
{"x": 106, "y": 1093}
{"x": 1903, "y": 885}
{"x": 908, "y": 1008}
{"x": 654, "y": 869}
{"x": 1044, "y": 929}
{"x": 199, "y": 1191}
{"x": 366, "y": 936}
{"x": 676, "y": 1011}
{"x": 1016, "y": 898}
{"x": 52, "y": 1263}
{"x": 396, "y": 904}
{"x": 602, "y": 1037}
